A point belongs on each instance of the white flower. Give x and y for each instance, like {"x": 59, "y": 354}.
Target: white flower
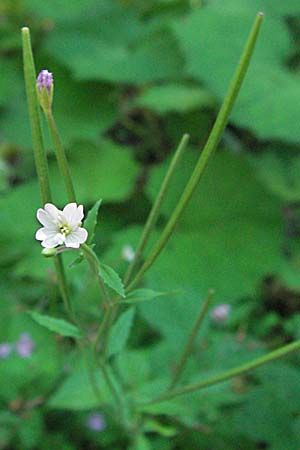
{"x": 128, "y": 253}
{"x": 61, "y": 227}
{"x": 220, "y": 313}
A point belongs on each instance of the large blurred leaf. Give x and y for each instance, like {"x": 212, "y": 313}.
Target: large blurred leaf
{"x": 77, "y": 393}
{"x": 279, "y": 171}
{"x": 113, "y": 45}
{"x": 58, "y": 10}
{"x": 174, "y": 97}
{"x": 10, "y": 78}
{"x": 213, "y": 38}
{"x": 259, "y": 417}
{"x": 104, "y": 170}
{"x": 269, "y": 7}
{"x": 229, "y": 236}
{"x": 18, "y": 223}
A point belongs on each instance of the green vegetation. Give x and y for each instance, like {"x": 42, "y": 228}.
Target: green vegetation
{"x": 100, "y": 351}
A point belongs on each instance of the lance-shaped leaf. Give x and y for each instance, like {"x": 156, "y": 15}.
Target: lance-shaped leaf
{"x": 59, "y": 326}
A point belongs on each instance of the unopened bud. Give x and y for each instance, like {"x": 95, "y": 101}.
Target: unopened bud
{"x": 44, "y": 84}
{"x": 48, "y": 252}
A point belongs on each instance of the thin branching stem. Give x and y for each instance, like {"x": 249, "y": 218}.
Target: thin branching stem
{"x": 191, "y": 339}
{"x": 207, "y": 152}
{"x": 155, "y": 210}
{"x": 60, "y": 155}
{"x": 228, "y": 374}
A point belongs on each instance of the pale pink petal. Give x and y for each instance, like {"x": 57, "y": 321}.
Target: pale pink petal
{"x": 44, "y": 218}
{"x": 68, "y": 215}
{"x": 81, "y": 234}
{"x": 40, "y": 235}
{"x": 52, "y": 210}
{"x": 72, "y": 241}
{"x": 73, "y": 215}
{"x": 49, "y": 215}
{"x": 76, "y": 238}
{"x": 80, "y": 214}
{"x": 53, "y": 241}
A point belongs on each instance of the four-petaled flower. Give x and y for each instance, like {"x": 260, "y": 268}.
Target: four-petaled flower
{"x": 61, "y": 227}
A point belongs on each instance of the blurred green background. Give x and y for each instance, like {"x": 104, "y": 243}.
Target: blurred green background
{"x": 131, "y": 76}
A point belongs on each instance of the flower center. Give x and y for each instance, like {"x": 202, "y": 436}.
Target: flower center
{"x": 65, "y": 230}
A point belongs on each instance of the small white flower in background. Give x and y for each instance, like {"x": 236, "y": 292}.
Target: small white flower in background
{"x": 128, "y": 253}
{"x": 220, "y": 313}
{"x": 61, "y": 227}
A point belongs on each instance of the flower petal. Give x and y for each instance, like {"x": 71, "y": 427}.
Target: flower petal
{"x": 41, "y": 234}
{"x": 53, "y": 241}
{"x": 48, "y": 216}
{"x": 52, "y": 210}
{"x": 44, "y": 218}
{"x": 73, "y": 215}
{"x": 76, "y": 238}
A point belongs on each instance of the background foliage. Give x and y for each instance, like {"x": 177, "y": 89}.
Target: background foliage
{"x": 131, "y": 76}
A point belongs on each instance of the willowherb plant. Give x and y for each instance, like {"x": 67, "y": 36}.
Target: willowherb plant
{"x": 63, "y": 231}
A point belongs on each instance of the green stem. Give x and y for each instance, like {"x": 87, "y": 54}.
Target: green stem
{"x": 92, "y": 259}
{"x": 60, "y": 155}
{"x": 35, "y": 117}
{"x": 190, "y": 342}
{"x": 43, "y": 176}
{"x": 152, "y": 218}
{"x": 228, "y": 374}
{"x": 110, "y": 384}
{"x": 41, "y": 162}
{"x": 102, "y": 328}
{"x": 63, "y": 287}
{"x": 207, "y": 152}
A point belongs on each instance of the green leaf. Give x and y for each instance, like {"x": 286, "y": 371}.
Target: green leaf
{"x": 59, "y": 326}
{"x": 142, "y": 295}
{"x": 228, "y": 239}
{"x": 220, "y": 30}
{"x": 16, "y": 236}
{"x": 120, "y": 332}
{"x": 77, "y": 393}
{"x": 91, "y": 221}
{"x": 111, "y": 278}
{"x": 280, "y": 387}
{"x": 134, "y": 53}
{"x": 106, "y": 168}
{"x": 279, "y": 171}
{"x": 174, "y": 97}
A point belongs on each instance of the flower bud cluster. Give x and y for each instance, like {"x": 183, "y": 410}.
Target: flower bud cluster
{"x": 44, "y": 84}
